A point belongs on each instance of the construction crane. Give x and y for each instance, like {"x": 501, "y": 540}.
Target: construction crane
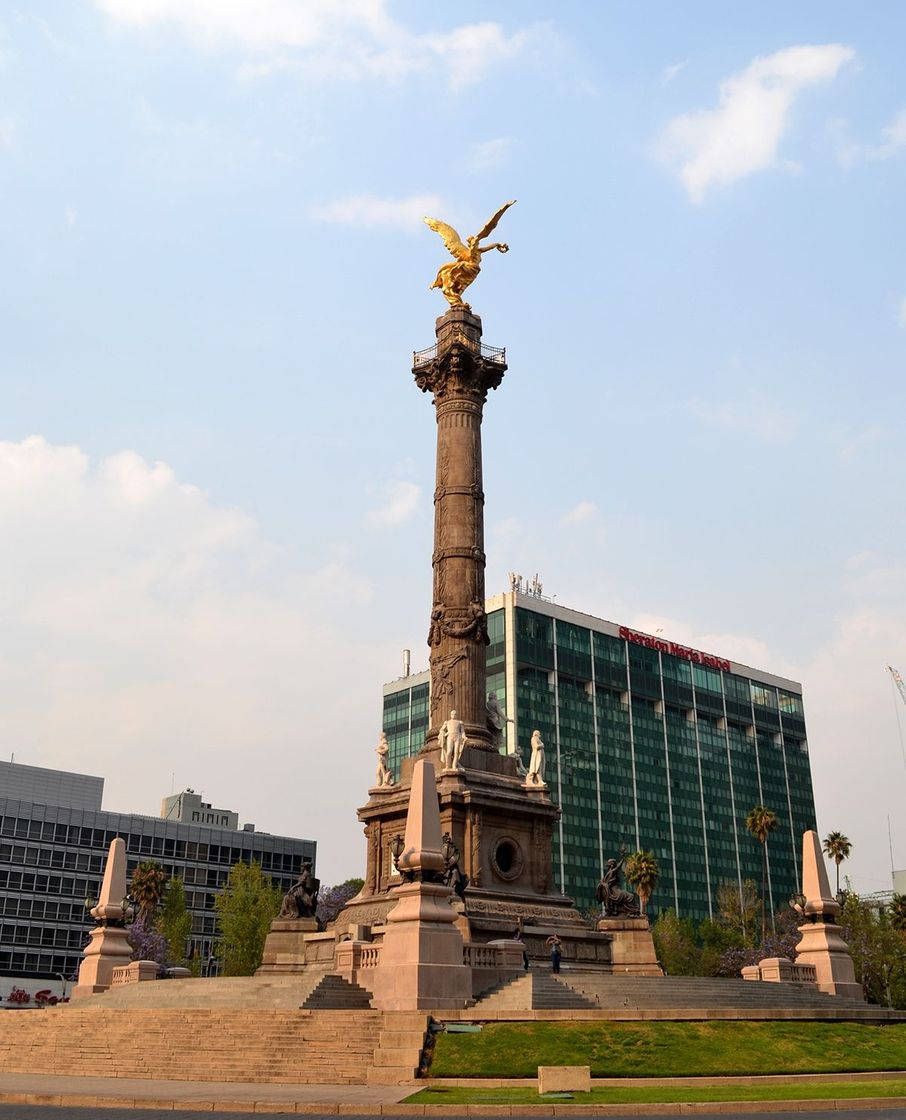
{"x": 901, "y": 688}
{"x": 898, "y": 681}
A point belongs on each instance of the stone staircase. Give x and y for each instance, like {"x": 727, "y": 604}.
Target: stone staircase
{"x": 334, "y": 993}
{"x": 700, "y": 992}
{"x": 288, "y": 991}
{"x": 532, "y": 991}
{"x": 242, "y": 1045}
{"x": 664, "y": 997}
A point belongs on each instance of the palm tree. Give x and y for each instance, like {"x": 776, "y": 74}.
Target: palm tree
{"x": 837, "y": 847}
{"x": 761, "y": 822}
{"x": 148, "y": 882}
{"x": 898, "y": 912}
{"x": 642, "y": 873}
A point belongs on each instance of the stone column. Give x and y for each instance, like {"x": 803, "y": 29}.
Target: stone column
{"x": 822, "y": 943}
{"x": 459, "y": 375}
{"x": 108, "y": 947}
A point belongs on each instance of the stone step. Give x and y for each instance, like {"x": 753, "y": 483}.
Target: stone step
{"x": 533, "y": 991}
{"x": 283, "y": 1047}
{"x": 336, "y": 993}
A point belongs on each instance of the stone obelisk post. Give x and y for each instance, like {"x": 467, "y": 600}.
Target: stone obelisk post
{"x": 108, "y": 947}
{"x": 822, "y": 943}
{"x": 421, "y": 963}
{"x": 459, "y": 374}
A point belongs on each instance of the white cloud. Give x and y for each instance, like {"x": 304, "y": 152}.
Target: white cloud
{"x": 742, "y": 135}
{"x": 147, "y": 630}
{"x": 365, "y": 211}
{"x": 755, "y": 415}
{"x": 356, "y": 38}
{"x": 894, "y": 138}
{"x": 901, "y": 316}
{"x": 848, "y": 152}
{"x": 584, "y": 511}
{"x": 670, "y": 72}
{"x": 70, "y": 216}
{"x": 399, "y": 501}
{"x": 489, "y": 154}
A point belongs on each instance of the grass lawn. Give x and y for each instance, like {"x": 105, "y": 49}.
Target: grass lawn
{"x": 664, "y": 1049}
{"x": 653, "y": 1094}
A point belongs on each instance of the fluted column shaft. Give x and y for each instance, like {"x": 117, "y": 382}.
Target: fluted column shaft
{"x": 459, "y": 378}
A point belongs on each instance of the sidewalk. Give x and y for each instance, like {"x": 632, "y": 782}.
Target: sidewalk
{"x": 382, "y": 1100}
{"x": 201, "y": 1096}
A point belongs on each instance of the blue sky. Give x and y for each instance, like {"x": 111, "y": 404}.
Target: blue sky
{"x": 215, "y": 471}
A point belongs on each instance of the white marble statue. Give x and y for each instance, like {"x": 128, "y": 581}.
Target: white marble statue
{"x": 536, "y": 762}
{"x": 452, "y": 738}
{"x": 384, "y": 775}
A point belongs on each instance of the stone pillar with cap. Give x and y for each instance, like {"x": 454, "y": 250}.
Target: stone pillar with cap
{"x": 108, "y": 946}
{"x": 421, "y": 964}
{"x": 822, "y": 943}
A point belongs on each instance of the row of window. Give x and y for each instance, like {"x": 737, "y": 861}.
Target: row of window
{"x": 138, "y": 844}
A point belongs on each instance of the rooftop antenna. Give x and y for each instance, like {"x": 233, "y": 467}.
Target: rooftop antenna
{"x": 407, "y": 662}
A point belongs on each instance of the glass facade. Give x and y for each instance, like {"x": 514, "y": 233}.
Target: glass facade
{"x": 652, "y": 745}
{"x": 52, "y": 859}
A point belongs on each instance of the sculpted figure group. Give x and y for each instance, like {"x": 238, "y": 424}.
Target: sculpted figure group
{"x": 301, "y": 900}
{"x": 615, "y": 902}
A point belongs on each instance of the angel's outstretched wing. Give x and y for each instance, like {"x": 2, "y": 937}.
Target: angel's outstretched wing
{"x": 448, "y": 233}
{"x": 492, "y": 222}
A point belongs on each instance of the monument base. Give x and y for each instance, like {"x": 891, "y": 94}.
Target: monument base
{"x": 632, "y": 949}
{"x": 107, "y": 949}
{"x": 287, "y": 946}
{"x": 421, "y": 963}
{"x": 822, "y": 945}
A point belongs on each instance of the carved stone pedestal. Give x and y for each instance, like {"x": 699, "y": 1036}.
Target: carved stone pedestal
{"x": 108, "y": 949}
{"x": 287, "y": 947}
{"x": 632, "y": 946}
{"x": 421, "y": 963}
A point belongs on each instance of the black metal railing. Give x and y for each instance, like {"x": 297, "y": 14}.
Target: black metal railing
{"x": 495, "y": 354}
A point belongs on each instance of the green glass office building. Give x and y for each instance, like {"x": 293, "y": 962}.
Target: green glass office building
{"x": 649, "y": 744}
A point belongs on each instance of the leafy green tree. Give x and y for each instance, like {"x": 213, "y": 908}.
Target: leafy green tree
{"x": 642, "y": 872}
{"x": 898, "y": 913}
{"x": 245, "y": 909}
{"x": 675, "y": 942}
{"x": 877, "y": 949}
{"x": 715, "y": 937}
{"x": 149, "y": 881}
{"x": 761, "y": 822}
{"x": 174, "y": 921}
{"x": 837, "y": 847}
{"x": 739, "y": 909}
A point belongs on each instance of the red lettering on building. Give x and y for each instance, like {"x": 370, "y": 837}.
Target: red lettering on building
{"x": 674, "y": 648}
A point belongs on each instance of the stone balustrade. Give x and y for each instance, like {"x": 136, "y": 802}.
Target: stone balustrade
{"x": 134, "y": 972}
{"x": 781, "y": 970}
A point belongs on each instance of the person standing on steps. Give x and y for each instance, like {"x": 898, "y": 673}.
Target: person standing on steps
{"x": 517, "y": 936}
{"x": 556, "y": 951}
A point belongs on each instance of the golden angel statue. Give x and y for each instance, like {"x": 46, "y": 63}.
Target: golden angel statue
{"x": 455, "y": 277}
